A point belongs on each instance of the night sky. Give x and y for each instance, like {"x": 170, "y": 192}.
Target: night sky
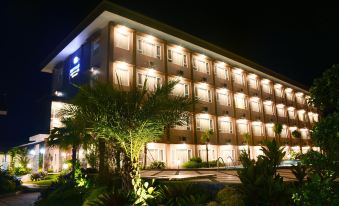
{"x": 298, "y": 43}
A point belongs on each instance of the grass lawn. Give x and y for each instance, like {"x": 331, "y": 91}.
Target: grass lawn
{"x": 47, "y": 181}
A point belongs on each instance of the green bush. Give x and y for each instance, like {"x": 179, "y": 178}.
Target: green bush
{"x": 19, "y": 171}
{"x": 157, "y": 165}
{"x": 228, "y": 197}
{"x": 38, "y": 176}
{"x": 196, "y": 162}
{"x": 8, "y": 183}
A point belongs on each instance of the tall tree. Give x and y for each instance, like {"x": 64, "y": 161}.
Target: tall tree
{"x": 247, "y": 139}
{"x": 277, "y": 128}
{"x": 130, "y": 119}
{"x": 296, "y": 134}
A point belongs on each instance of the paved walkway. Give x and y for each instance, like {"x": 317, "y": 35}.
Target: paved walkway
{"x": 23, "y": 199}
{"x": 221, "y": 176}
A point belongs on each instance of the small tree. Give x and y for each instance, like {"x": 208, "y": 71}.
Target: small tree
{"x": 277, "y": 128}
{"x": 247, "y": 139}
{"x": 205, "y": 138}
{"x": 296, "y": 134}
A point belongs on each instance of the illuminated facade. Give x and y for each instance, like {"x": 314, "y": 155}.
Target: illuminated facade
{"x": 236, "y": 96}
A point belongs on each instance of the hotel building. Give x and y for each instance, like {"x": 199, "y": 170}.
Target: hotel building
{"x": 236, "y": 96}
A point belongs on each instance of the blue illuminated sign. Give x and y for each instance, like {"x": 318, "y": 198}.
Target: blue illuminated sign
{"x": 74, "y": 71}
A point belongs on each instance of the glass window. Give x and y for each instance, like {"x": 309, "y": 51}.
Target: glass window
{"x": 211, "y": 154}
{"x": 223, "y": 99}
{"x": 200, "y": 65}
{"x": 221, "y": 72}
{"x": 151, "y": 83}
{"x": 301, "y": 116}
{"x": 281, "y": 111}
{"x": 225, "y": 126}
{"x": 181, "y": 156}
{"x": 204, "y": 124}
{"x": 122, "y": 76}
{"x": 270, "y": 131}
{"x": 240, "y": 101}
{"x": 278, "y": 92}
{"x": 122, "y": 40}
{"x": 257, "y": 130}
{"x": 255, "y": 105}
{"x": 284, "y": 132}
{"x": 155, "y": 155}
{"x": 181, "y": 89}
{"x": 289, "y": 96}
{"x": 203, "y": 94}
{"x": 268, "y": 109}
{"x": 242, "y": 128}
{"x": 238, "y": 78}
{"x": 291, "y": 114}
{"x": 185, "y": 126}
{"x": 149, "y": 48}
{"x": 266, "y": 88}
{"x": 227, "y": 154}
{"x": 177, "y": 58}
{"x": 253, "y": 83}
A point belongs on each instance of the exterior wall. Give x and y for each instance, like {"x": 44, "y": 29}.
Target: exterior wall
{"x": 156, "y": 58}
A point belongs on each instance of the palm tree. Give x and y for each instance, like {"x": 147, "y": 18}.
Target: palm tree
{"x": 247, "y": 138}
{"x": 296, "y": 134}
{"x": 277, "y": 128}
{"x": 205, "y": 138}
{"x": 71, "y": 134}
{"x": 129, "y": 119}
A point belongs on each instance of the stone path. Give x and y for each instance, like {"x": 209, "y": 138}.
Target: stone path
{"x": 221, "y": 176}
{"x": 23, "y": 199}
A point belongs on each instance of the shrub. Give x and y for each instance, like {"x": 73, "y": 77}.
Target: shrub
{"x": 38, "y": 176}
{"x": 157, "y": 165}
{"x": 8, "y": 183}
{"x": 19, "y": 171}
{"x": 191, "y": 164}
{"x": 228, "y": 197}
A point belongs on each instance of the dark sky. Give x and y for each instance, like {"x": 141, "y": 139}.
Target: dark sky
{"x": 298, "y": 43}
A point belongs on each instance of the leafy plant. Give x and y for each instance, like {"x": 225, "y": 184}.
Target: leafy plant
{"x": 205, "y": 138}
{"x": 157, "y": 165}
{"x": 228, "y": 197}
{"x": 8, "y": 183}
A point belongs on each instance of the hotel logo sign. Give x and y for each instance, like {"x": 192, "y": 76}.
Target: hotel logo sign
{"x": 74, "y": 71}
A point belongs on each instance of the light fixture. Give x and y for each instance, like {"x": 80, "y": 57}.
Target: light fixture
{"x": 29, "y": 165}
{"x": 94, "y": 70}
{"x": 42, "y": 151}
{"x": 122, "y": 29}
{"x": 65, "y": 166}
{"x": 63, "y": 154}
{"x": 58, "y": 94}
{"x": 32, "y": 152}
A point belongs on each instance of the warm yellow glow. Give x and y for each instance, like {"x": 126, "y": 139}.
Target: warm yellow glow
{"x": 280, "y": 105}
{"x": 203, "y": 115}
{"x": 304, "y": 129}
{"x": 65, "y": 166}
{"x": 256, "y": 123}
{"x": 277, "y": 86}
{"x": 284, "y": 126}
{"x": 29, "y": 165}
{"x": 149, "y": 38}
{"x": 122, "y": 64}
{"x": 267, "y": 102}
{"x": 201, "y": 56}
{"x": 288, "y": 90}
{"x": 265, "y": 81}
{"x": 221, "y": 64}
{"x": 122, "y": 29}
{"x": 299, "y": 94}
{"x": 243, "y": 121}
{"x": 178, "y": 48}
{"x": 239, "y": 94}
{"x": 182, "y": 146}
{"x": 150, "y": 72}
{"x": 225, "y": 118}
{"x": 269, "y": 124}
{"x": 252, "y": 76}
{"x": 255, "y": 98}
{"x": 301, "y": 111}
{"x": 293, "y": 128}
{"x": 63, "y": 154}
{"x": 290, "y": 108}
{"x": 223, "y": 91}
{"x": 237, "y": 70}
{"x": 150, "y": 145}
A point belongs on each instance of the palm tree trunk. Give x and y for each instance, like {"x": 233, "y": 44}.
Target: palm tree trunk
{"x": 74, "y": 159}
{"x": 207, "y": 154}
{"x": 102, "y": 155}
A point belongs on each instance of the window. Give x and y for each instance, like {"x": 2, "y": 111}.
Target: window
{"x": 181, "y": 89}
{"x": 238, "y": 78}
{"x": 201, "y": 65}
{"x": 304, "y": 133}
{"x": 257, "y": 130}
{"x": 284, "y": 132}
{"x": 291, "y": 113}
{"x": 177, "y": 58}
{"x": 225, "y": 126}
{"x": 202, "y": 154}
{"x": 268, "y": 107}
{"x": 122, "y": 40}
{"x": 255, "y": 105}
{"x": 155, "y": 155}
{"x": 300, "y": 100}
{"x": 204, "y": 124}
{"x": 278, "y": 92}
{"x": 242, "y": 128}
{"x": 240, "y": 101}
{"x": 221, "y": 72}
{"x": 151, "y": 83}
{"x": 253, "y": 83}
{"x": 301, "y": 115}
{"x": 186, "y": 125}
{"x": 316, "y": 117}
{"x": 281, "y": 111}
{"x": 181, "y": 156}
{"x": 289, "y": 96}
{"x": 203, "y": 94}
{"x": 121, "y": 76}
{"x": 270, "y": 131}
{"x": 227, "y": 154}
{"x": 266, "y": 88}
{"x": 223, "y": 98}
{"x": 149, "y": 48}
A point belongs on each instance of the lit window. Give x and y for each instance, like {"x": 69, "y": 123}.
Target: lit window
{"x": 180, "y": 156}
{"x": 242, "y": 128}
{"x": 202, "y": 154}
{"x": 255, "y": 105}
{"x": 155, "y": 155}
{"x": 181, "y": 89}
{"x": 279, "y": 92}
{"x": 301, "y": 115}
{"x": 240, "y": 101}
{"x": 284, "y": 131}
{"x": 269, "y": 130}
{"x": 221, "y": 71}
{"x": 152, "y": 82}
{"x": 304, "y": 133}
{"x": 122, "y": 75}
{"x": 223, "y": 98}
{"x": 201, "y": 65}
{"x": 257, "y": 130}
{"x": 204, "y": 123}
{"x": 281, "y": 111}
{"x": 253, "y": 82}
{"x": 300, "y": 100}
{"x": 315, "y": 117}
{"x": 149, "y": 48}
{"x": 266, "y": 88}
{"x": 289, "y": 95}
{"x": 122, "y": 39}
{"x": 203, "y": 94}
{"x": 238, "y": 78}
{"x": 185, "y": 126}
{"x": 268, "y": 107}
{"x": 291, "y": 113}
{"x": 225, "y": 126}
{"x": 177, "y": 57}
